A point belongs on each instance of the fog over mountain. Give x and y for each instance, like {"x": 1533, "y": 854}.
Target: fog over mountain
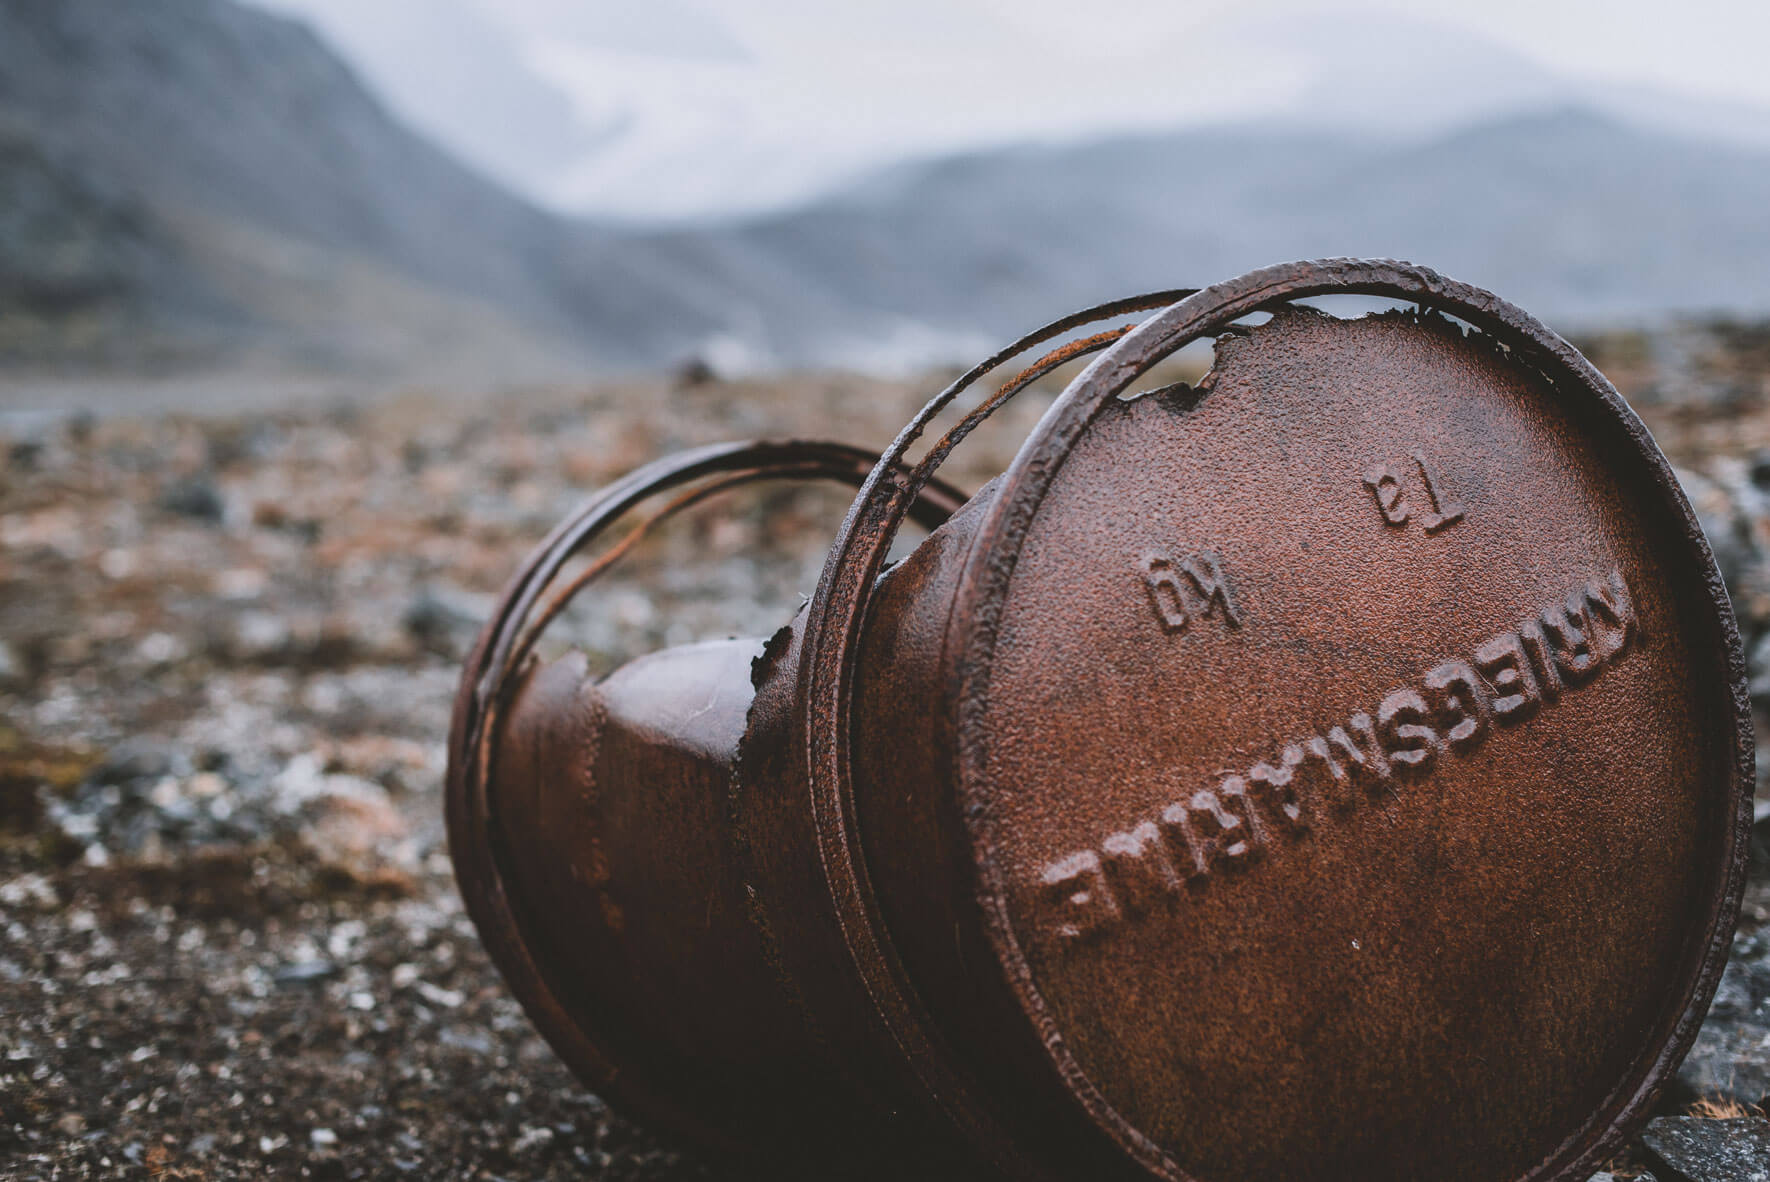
{"x": 192, "y": 181}
{"x": 713, "y": 108}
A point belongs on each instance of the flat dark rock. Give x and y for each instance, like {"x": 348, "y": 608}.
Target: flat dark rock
{"x": 300, "y": 972}
{"x": 1731, "y": 1057}
{"x": 1696, "y": 1150}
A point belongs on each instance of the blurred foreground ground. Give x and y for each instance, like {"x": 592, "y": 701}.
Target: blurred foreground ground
{"x": 230, "y": 945}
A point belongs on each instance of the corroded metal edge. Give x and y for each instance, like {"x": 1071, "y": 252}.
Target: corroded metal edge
{"x": 833, "y": 624}
{"x": 480, "y": 875}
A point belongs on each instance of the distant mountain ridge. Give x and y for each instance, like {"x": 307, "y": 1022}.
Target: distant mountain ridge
{"x": 292, "y": 213}
{"x": 192, "y": 181}
{"x": 1574, "y": 215}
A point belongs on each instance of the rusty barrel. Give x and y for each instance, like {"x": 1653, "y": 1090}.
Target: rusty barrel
{"x": 1336, "y": 769}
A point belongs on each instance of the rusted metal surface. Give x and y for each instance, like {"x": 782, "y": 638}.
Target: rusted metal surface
{"x": 1338, "y": 770}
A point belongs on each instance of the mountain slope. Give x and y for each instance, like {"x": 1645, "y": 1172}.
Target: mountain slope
{"x": 1580, "y": 218}
{"x": 70, "y": 253}
{"x": 292, "y": 211}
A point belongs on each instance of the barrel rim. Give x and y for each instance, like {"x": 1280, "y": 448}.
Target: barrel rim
{"x": 840, "y": 608}
{"x": 977, "y": 615}
{"x": 497, "y": 663}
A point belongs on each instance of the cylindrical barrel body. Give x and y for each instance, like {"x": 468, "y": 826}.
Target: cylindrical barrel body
{"x": 1335, "y": 770}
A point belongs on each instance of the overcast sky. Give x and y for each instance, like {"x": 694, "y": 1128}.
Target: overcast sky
{"x": 689, "y": 107}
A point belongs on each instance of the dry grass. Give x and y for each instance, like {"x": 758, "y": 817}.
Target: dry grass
{"x": 1721, "y": 1108}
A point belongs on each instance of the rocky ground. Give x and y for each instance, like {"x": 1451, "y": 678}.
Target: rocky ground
{"x": 230, "y": 945}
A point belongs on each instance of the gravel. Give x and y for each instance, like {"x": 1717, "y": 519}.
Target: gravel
{"x": 230, "y": 944}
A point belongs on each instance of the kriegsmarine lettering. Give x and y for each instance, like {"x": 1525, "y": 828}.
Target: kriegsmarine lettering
{"x": 1504, "y": 681}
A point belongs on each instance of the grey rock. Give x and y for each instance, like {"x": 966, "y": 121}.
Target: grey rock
{"x": 302, "y": 972}
{"x": 195, "y": 497}
{"x": 1758, "y": 668}
{"x": 446, "y": 619}
{"x": 1696, "y": 1150}
{"x": 139, "y": 758}
{"x": 1731, "y": 1056}
{"x": 24, "y": 454}
{"x": 258, "y": 637}
{"x": 465, "y": 1038}
{"x": 1724, "y": 524}
{"x": 1761, "y": 834}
